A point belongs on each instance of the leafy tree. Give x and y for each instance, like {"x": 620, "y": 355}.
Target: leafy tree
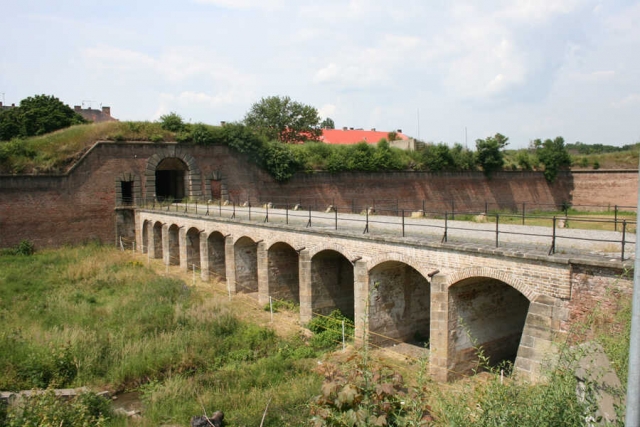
{"x": 279, "y": 160}
{"x": 280, "y": 118}
{"x": 172, "y": 122}
{"x": 328, "y": 123}
{"x": 554, "y": 156}
{"x": 37, "y": 115}
{"x": 438, "y": 157}
{"x": 463, "y": 158}
{"x": 489, "y": 152}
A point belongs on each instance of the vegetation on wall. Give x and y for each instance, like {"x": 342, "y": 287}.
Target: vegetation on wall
{"x": 56, "y": 151}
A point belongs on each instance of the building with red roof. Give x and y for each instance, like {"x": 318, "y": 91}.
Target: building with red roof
{"x": 349, "y": 136}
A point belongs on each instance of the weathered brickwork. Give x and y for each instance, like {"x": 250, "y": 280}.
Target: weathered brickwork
{"x": 41, "y": 208}
{"x": 458, "y": 297}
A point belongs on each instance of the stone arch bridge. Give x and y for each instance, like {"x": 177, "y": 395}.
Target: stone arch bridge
{"x": 455, "y": 298}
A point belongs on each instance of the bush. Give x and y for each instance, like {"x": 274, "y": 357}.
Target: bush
{"x": 327, "y": 330}
{"x": 172, "y": 122}
{"x": 46, "y": 410}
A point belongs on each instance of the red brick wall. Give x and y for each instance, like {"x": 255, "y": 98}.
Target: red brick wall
{"x": 70, "y": 209}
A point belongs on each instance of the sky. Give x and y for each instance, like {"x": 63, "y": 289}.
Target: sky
{"x": 442, "y": 71}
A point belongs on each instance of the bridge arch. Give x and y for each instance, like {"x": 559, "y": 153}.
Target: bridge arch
{"x": 492, "y": 273}
{"x": 173, "y": 253}
{"x": 332, "y": 283}
{"x": 172, "y": 175}
{"x": 246, "y": 260}
{"x": 488, "y": 310}
{"x": 332, "y": 247}
{"x": 399, "y": 304}
{"x": 216, "y": 254}
{"x": 414, "y": 263}
{"x": 193, "y": 248}
{"x": 283, "y": 272}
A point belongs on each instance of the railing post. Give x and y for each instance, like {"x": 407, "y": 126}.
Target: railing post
{"x": 366, "y": 227}
{"x": 615, "y": 218}
{"x": 286, "y": 214}
{"x": 335, "y": 210}
{"x": 624, "y": 235}
{"x": 523, "y": 212}
{"x": 552, "y": 250}
{"x": 220, "y": 206}
{"x": 207, "y": 208}
{"x": 497, "y": 229}
{"x": 446, "y": 224}
{"x": 233, "y": 215}
{"x": 402, "y": 222}
{"x": 196, "y": 206}
{"x": 309, "y": 223}
{"x": 249, "y": 210}
{"x": 266, "y": 217}
{"x": 424, "y": 212}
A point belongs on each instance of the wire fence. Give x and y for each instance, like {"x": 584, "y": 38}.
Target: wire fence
{"x": 556, "y": 233}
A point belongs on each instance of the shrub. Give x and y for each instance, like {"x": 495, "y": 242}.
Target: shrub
{"x": 327, "y": 330}
{"x": 172, "y": 122}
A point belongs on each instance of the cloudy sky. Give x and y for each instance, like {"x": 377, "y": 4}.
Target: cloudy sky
{"x": 525, "y": 68}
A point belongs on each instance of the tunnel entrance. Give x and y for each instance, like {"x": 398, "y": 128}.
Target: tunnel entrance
{"x": 486, "y": 316}
{"x": 170, "y": 179}
{"x": 399, "y": 306}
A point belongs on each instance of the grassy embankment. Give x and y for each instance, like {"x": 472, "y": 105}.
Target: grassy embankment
{"x": 92, "y": 316}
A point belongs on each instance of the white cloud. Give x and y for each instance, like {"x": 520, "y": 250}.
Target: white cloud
{"x": 245, "y": 4}
{"x": 627, "y": 101}
{"x": 327, "y": 110}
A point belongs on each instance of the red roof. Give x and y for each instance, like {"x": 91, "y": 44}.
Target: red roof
{"x": 340, "y": 136}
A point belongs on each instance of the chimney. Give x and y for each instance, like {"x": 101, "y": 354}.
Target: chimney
{"x": 345, "y": 128}
{"x": 373, "y": 129}
{"x": 222, "y": 123}
{"x": 350, "y": 128}
{"x": 77, "y": 108}
{"x": 399, "y": 130}
{"x": 107, "y": 111}
{"x": 13, "y": 105}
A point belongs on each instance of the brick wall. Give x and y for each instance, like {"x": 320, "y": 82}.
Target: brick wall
{"x": 79, "y": 206}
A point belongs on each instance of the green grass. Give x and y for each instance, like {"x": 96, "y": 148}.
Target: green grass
{"x": 90, "y": 316}
{"x": 57, "y": 151}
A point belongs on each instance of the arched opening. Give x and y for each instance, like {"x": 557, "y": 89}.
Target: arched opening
{"x": 283, "y": 273}
{"x": 399, "y": 305}
{"x": 332, "y": 284}
{"x": 174, "y": 245}
{"x": 157, "y": 240}
{"x": 170, "y": 179}
{"x": 146, "y": 225}
{"x": 215, "y": 243}
{"x": 246, "y": 256}
{"x": 193, "y": 248}
{"x": 485, "y": 315}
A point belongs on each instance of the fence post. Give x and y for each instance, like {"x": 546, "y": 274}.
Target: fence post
{"x": 615, "y": 218}
{"x": 335, "y": 210}
{"x": 453, "y": 210}
{"x": 220, "y": 207}
{"x": 552, "y": 250}
{"x": 424, "y": 212}
{"x": 624, "y": 235}
{"x": 249, "y": 211}
{"x": 309, "y": 223}
{"x": 497, "y": 226}
{"x": 366, "y": 227}
{"x": 444, "y": 238}
{"x": 286, "y": 214}
{"x": 402, "y": 222}
{"x": 233, "y": 215}
{"x": 523, "y": 212}
{"x": 196, "y": 206}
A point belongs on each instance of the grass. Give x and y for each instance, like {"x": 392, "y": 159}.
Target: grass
{"x": 93, "y": 316}
{"x": 57, "y": 151}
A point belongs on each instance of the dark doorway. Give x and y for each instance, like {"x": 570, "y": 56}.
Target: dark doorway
{"x": 170, "y": 179}
{"x": 126, "y": 187}
{"x": 216, "y": 190}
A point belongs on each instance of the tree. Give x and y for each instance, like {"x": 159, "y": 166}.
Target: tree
{"x": 489, "y": 153}
{"x": 37, "y": 115}
{"x": 328, "y": 123}
{"x": 280, "y": 118}
{"x": 554, "y": 156}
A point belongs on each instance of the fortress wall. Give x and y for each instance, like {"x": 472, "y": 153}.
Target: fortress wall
{"x": 72, "y": 208}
